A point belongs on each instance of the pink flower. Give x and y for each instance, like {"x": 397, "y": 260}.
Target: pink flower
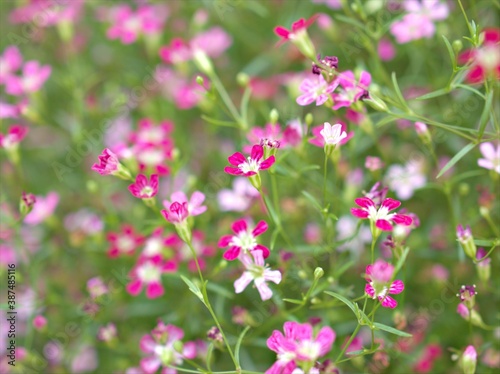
{"x": 351, "y": 90}
{"x": 333, "y": 4}
{"x": 43, "y": 209}
{"x": 45, "y": 13}
{"x": 194, "y": 206}
{"x": 153, "y": 157}
{"x": 33, "y": 77}
{"x": 468, "y": 360}
{"x": 147, "y": 273}
{"x": 484, "y": 60}
{"x": 12, "y": 111}
{"x": 244, "y": 240}
{"x": 250, "y": 166}
{"x": 271, "y": 133}
{"x": 294, "y": 133}
{"x": 108, "y": 163}
{"x": 144, "y": 189}
{"x": 379, "y": 284}
{"x": 319, "y": 140}
{"x": 176, "y": 213}
{"x": 176, "y": 53}
{"x": 373, "y": 163}
{"x": 96, "y": 287}
{"x": 380, "y": 216}
{"x": 412, "y": 27}
{"x": 184, "y": 254}
{"x": 212, "y": 42}
{"x": 317, "y": 90}
{"x": 239, "y": 198}
{"x": 128, "y": 25}
{"x": 491, "y": 156}
{"x": 124, "y": 242}
{"x": 257, "y": 272}
{"x": 298, "y": 27}
{"x": 433, "y": 10}
{"x": 405, "y": 179}
{"x": 162, "y": 349}
{"x": 13, "y": 137}
{"x": 386, "y": 50}
{"x": 149, "y": 133}
{"x": 107, "y": 333}
{"x": 298, "y": 346}
{"x": 10, "y": 62}
{"x": 39, "y": 322}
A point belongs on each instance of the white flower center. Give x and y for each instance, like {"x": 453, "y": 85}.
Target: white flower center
{"x": 381, "y": 213}
{"x": 244, "y": 240}
{"x": 309, "y": 348}
{"x": 147, "y": 191}
{"x": 488, "y": 57}
{"x": 153, "y": 247}
{"x": 149, "y": 273}
{"x": 250, "y": 165}
{"x": 164, "y": 353}
{"x": 151, "y": 157}
{"x": 125, "y": 244}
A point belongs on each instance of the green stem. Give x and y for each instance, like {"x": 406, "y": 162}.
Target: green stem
{"x": 325, "y": 167}
{"x": 227, "y": 100}
{"x": 353, "y": 335}
{"x": 210, "y": 309}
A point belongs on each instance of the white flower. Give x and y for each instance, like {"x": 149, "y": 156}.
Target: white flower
{"x": 333, "y": 134}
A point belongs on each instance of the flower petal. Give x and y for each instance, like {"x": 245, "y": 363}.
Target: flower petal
{"x": 239, "y": 225}
{"x": 360, "y": 213}
{"x": 391, "y": 204}
{"x": 260, "y": 228}
{"x": 236, "y": 159}
{"x": 267, "y": 163}
{"x": 397, "y": 287}
{"x": 264, "y": 249}
{"x": 242, "y": 282}
{"x": 388, "y": 302}
{"x": 257, "y": 152}
{"x": 364, "y": 202}
{"x": 154, "y": 290}
{"x": 383, "y": 225}
{"x": 232, "y": 253}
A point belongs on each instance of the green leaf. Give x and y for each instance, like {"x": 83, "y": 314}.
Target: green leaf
{"x": 485, "y": 243}
{"x": 391, "y": 330}
{"x": 471, "y": 89}
{"x": 402, "y": 260}
{"x": 350, "y": 21}
{"x": 398, "y": 91}
{"x": 485, "y": 115}
{"x": 385, "y": 121}
{"x": 274, "y": 236}
{"x": 293, "y": 301}
{"x": 238, "y": 344}
{"x": 450, "y": 52}
{"x": 313, "y": 201}
{"x": 347, "y": 302}
{"x": 430, "y": 95}
{"x": 456, "y": 158}
{"x": 218, "y": 122}
{"x": 355, "y": 353}
{"x": 194, "y": 289}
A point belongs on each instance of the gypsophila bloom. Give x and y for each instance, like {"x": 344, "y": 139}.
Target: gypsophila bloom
{"x": 124, "y": 242}
{"x": 378, "y": 276}
{"x": 299, "y": 27}
{"x": 107, "y": 333}
{"x": 147, "y": 273}
{"x": 32, "y": 79}
{"x": 239, "y": 198}
{"x": 327, "y": 64}
{"x": 333, "y": 135}
{"x": 484, "y": 60}
{"x": 251, "y": 165}
{"x": 351, "y": 90}
{"x": 39, "y": 322}
{"x": 380, "y": 217}
{"x": 491, "y": 157}
{"x": 43, "y": 209}
{"x": 318, "y": 139}
{"x": 108, "y": 163}
{"x": 257, "y": 271}
{"x": 467, "y": 295}
{"x": 469, "y": 360}
{"x": 164, "y": 348}
{"x": 317, "y": 90}
{"x": 178, "y": 209}
{"x": 404, "y": 180}
{"x": 96, "y": 287}
{"x": 244, "y": 240}
{"x": 13, "y": 137}
{"x": 373, "y": 163}
{"x": 144, "y": 189}
{"x": 298, "y": 348}
{"x": 466, "y": 240}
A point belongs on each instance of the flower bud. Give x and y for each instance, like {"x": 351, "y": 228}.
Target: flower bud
{"x": 273, "y": 116}
{"x": 376, "y": 103}
{"x": 200, "y": 80}
{"x": 457, "y": 46}
{"x": 318, "y": 273}
{"x": 243, "y": 79}
{"x": 202, "y": 62}
{"x": 309, "y": 119}
{"x": 26, "y": 203}
{"x": 466, "y": 240}
{"x": 469, "y": 360}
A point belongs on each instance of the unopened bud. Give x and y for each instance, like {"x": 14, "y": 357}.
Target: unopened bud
{"x": 318, "y": 273}
{"x": 469, "y": 360}
{"x": 309, "y": 119}
{"x": 457, "y": 46}
{"x": 274, "y": 116}
{"x": 243, "y": 79}
{"x": 200, "y": 80}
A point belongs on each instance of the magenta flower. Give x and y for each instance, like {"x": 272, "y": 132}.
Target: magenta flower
{"x": 108, "y": 163}
{"x": 33, "y": 77}
{"x": 380, "y": 216}
{"x": 149, "y": 133}
{"x": 45, "y": 13}
{"x": 177, "y": 52}
{"x": 43, "y": 209}
{"x": 194, "y": 206}
{"x": 153, "y": 157}
{"x": 298, "y": 347}
{"x": 13, "y": 137}
{"x": 257, "y": 272}
{"x": 124, "y": 242}
{"x": 144, "y": 189}
{"x": 212, "y": 42}
{"x": 373, "y": 163}
{"x": 244, "y": 240}
{"x": 251, "y": 165}
{"x": 317, "y": 90}
{"x": 147, "y": 274}
{"x": 270, "y": 134}
{"x": 386, "y": 50}
{"x": 484, "y": 60}
{"x": 107, "y": 333}
{"x": 10, "y": 61}
{"x": 491, "y": 157}
{"x": 183, "y": 253}
{"x": 239, "y": 198}
{"x": 378, "y": 276}
{"x": 176, "y": 213}
{"x": 162, "y": 348}
{"x": 351, "y": 90}
{"x": 298, "y": 27}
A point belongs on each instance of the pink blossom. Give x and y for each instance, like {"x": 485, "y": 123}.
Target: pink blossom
{"x": 128, "y": 25}
{"x": 386, "y": 50}
{"x": 184, "y": 254}
{"x": 83, "y": 221}
{"x": 347, "y": 229}
{"x": 315, "y": 90}
{"x": 85, "y": 360}
{"x": 45, "y": 13}
{"x": 434, "y": 10}
{"x": 319, "y": 141}
{"x": 176, "y": 213}
{"x": 96, "y": 287}
{"x": 13, "y": 110}
{"x": 107, "y": 333}
{"x": 39, "y": 322}
{"x": 250, "y": 166}
{"x": 147, "y": 273}
{"x": 176, "y": 53}
{"x": 13, "y": 137}
{"x": 194, "y": 206}
{"x": 213, "y": 41}
{"x": 380, "y": 216}
{"x": 144, "y": 189}
{"x": 150, "y": 133}
{"x": 10, "y": 61}
{"x": 153, "y": 157}
{"x": 298, "y": 27}
{"x": 124, "y": 242}
{"x": 7, "y": 255}
{"x": 161, "y": 348}
{"x": 271, "y": 132}
{"x": 108, "y": 163}
{"x": 412, "y": 27}
{"x": 294, "y": 133}
{"x": 32, "y": 79}
{"x": 43, "y": 209}
{"x": 484, "y": 60}
{"x": 351, "y": 90}
{"x": 373, "y": 163}
{"x": 239, "y": 198}
{"x": 404, "y": 180}
{"x": 333, "y": 4}
{"x": 491, "y": 157}
{"x": 379, "y": 284}
{"x": 257, "y": 272}
{"x": 244, "y": 240}
{"x": 298, "y": 346}
{"x": 333, "y": 134}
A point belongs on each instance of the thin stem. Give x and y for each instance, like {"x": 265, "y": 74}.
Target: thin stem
{"x": 227, "y": 100}
{"x": 325, "y": 167}
{"x": 210, "y": 309}
{"x": 353, "y": 335}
